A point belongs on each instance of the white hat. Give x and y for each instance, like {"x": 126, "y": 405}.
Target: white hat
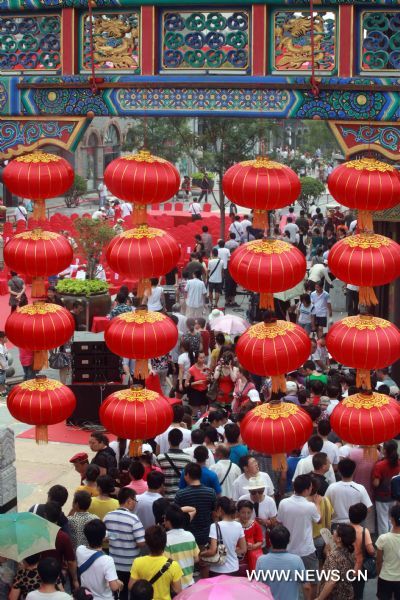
{"x": 291, "y": 386}
{"x": 215, "y": 314}
{"x": 255, "y": 483}
{"x": 147, "y": 448}
{"x": 254, "y": 396}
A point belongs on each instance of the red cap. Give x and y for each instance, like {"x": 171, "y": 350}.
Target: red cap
{"x": 80, "y": 457}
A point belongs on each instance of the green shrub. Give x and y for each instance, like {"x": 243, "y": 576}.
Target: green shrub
{"x": 82, "y": 287}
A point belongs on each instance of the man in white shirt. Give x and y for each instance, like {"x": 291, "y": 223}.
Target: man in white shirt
{"x": 196, "y": 293}
{"x": 126, "y": 209}
{"x": 145, "y": 501}
{"x": 245, "y": 224}
{"x": 223, "y": 253}
{"x": 161, "y": 440}
{"x": 226, "y": 470}
{"x": 215, "y": 273}
{"x": 99, "y": 214}
{"x": 346, "y": 492}
{"x": 330, "y": 449}
{"x": 21, "y": 214}
{"x": 237, "y": 229}
{"x": 321, "y": 308}
{"x": 292, "y": 229}
{"x": 197, "y": 438}
{"x": 318, "y": 272}
{"x": 298, "y": 515}
{"x": 305, "y": 465}
{"x": 250, "y": 468}
{"x": 195, "y": 210}
{"x": 182, "y": 329}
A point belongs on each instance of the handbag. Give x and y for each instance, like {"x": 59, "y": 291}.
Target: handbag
{"x": 23, "y": 301}
{"x": 219, "y": 558}
{"x": 58, "y": 360}
{"x": 369, "y": 562}
{"x": 213, "y": 389}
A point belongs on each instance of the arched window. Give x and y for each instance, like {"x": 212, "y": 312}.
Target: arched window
{"x": 91, "y": 161}
{"x": 112, "y": 145}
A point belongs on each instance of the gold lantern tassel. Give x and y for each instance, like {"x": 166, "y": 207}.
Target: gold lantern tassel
{"x": 278, "y": 383}
{"x": 139, "y": 215}
{"x": 38, "y": 287}
{"x": 367, "y": 296}
{"x": 370, "y": 453}
{"x": 39, "y": 211}
{"x": 41, "y": 434}
{"x": 364, "y": 220}
{"x": 363, "y": 379}
{"x": 141, "y": 369}
{"x": 135, "y": 448}
{"x": 40, "y": 360}
{"x": 279, "y": 462}
{"x": 260, "y": 219}
{"x": 267, "y": 300}
{"x": 144, "y": 285}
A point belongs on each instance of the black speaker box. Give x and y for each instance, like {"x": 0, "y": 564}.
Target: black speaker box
{"x": 89, "y": 398}
{"x": 103, "y": 375}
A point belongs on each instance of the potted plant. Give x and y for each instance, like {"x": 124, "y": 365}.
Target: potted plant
{"x": 197, "y": 178}
{"x": 93, "y": 236}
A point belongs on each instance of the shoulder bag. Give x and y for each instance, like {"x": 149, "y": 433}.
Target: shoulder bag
{"x": 226, "y": 474}
{"x": 173, "y": 465}
{"x": 369, "y": 562}
{"x": 214, "y": 387}
{"x": 219, "y": 557}
{"x": 161, "y": 572}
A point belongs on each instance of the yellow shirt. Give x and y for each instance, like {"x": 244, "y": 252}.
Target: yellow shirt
{"x": 326, "y": 509}
{"x": 101, "y": 507}
{"x": 93, "y": 491}
{"x": 145, "y": 567}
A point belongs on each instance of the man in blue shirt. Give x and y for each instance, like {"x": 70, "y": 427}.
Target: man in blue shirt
{"x": 208, "y": 477}
{"x": 282, "y": 571}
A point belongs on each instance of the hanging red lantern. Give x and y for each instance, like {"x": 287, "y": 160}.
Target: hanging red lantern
{"x": 136, "y": 414}
{"x": 366, "y": 260}
{"x": 364, "y": 343}
{"x": 142, "y": 179}
{"x": 141, "y": 335}
{"x": 261, "y": 185}
{"x": 143, "y": 252}
{"x": 40, "y": 327}
{"x": 366, "y": 419}
{"x": 38, "y": 176}
{"x": 38, "y": 253}
{"x": 267, "y": 266}
{"x": 41, "y": 402}
{"x": 276, "y": 428}
{"x": 366, "y": 184}
{"x": 273, "y": 348}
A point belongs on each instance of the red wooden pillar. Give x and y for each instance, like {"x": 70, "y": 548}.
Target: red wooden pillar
{"x": 148, "y": 46}
{"x": 259, "y": 40}
{"x": 69, "y": 41}
{"x": 346, "y": 41}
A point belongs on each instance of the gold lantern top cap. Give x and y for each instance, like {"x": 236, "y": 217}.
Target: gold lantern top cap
{"x": 38, "y": 157}
{"x": 369, "y": 164}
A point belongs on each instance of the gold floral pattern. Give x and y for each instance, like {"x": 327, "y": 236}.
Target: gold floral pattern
{"x": 369, "y": 164}
{"x": 366, "y": 401}
{"x": 41, "y": 384}
{"x": 38, "y": 157}
{"x": 37, "y": 235}
{"x": 280, "y": 410}
{"x": 262, "y": 162}
{"x": 142, "y": 232}
{"x": 363, "y": 322}
{"x": 141, "y": 316}
{"x": 269, "y": 246}
{"x": 263, "y": 331}
{"x": 144, "y": 156}
{"x": 137, "y": 395}
{"x": 40, "y": 308}
{"x": 366, "y": 240}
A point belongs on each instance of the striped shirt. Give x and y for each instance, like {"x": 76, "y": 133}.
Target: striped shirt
{"x": 203, "y": 499}
{"x": 181, "y": 546}
{"x": 180, "y": 460}
{"x": 124, "y": 530}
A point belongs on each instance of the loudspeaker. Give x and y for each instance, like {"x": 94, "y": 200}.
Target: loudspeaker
{"x": 89, "y": 398}
{"x": 93, "y": 362}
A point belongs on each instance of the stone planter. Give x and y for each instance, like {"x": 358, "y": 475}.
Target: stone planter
{"x": 197, "y": 183}
{"x": 96, "y": 305}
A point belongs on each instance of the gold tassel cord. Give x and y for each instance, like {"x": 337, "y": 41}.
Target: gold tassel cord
{"x": 363, "y": 379}
{"x": 370, "y": 453}
{"x": 260, "y": 218}
{"x": 40, "y": 360}
{"x": 39, "y": 211}
{"x": 41, "y": 434}
{"x": 267, "y": 300}
{"x": 278, "y": 383}
{"x": 139, "y": 214}
{"x": 141, "y": 369}
{"x": 135, "y": 448}
{"x": 367, "y": 296}
{"x": 279, "y": 462}
{"x": 144, "y": 285}
{"x": 38, "y": 287}
{"x": 364, "y": 220}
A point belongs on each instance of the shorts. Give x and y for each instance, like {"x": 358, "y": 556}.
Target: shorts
{"x": 388, "y": 589}
{"x": 319, "y": 547}
{"x": 2, "y": 377}
{"x": 197, "y": 397}
{"x": 310, "y": 562}
{"x": 215, "y": 287}
{"x": 321, "y": 321}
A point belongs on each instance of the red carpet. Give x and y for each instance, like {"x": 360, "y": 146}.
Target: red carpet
{"x": 64, "y": 433}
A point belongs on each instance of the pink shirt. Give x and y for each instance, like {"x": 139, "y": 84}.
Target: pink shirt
{"x": 140, "y": 486}
{"x": 25, "y": 357}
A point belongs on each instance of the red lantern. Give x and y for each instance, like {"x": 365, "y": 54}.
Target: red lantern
{"x": 366, "y": 419}
{"x": 276, "y": 428}
{"x": 143, "y": 252}
{"x": 267, "y": 266}
{"x": 136, "y": 414}
{"x": 364, "y": 343}
{"x": 273, "y": 349}
{"x": 366, "y": 184}
{"x": 141, "y": 335}
{"x": 261, "y": 185}
{"x": 41, "y": 402}
{"x": 366, "y": 260}
{"x": 38, "y": 176}
{"x": 142, "y": 178}
{"x": 40, "y": 326}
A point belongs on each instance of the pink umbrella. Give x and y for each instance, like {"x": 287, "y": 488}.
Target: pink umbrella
{"x": 230, "y": 324}
{"x": 224, "y": 587}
